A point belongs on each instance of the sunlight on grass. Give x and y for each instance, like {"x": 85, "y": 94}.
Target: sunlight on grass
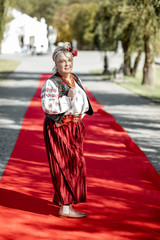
{"x": 134, "y": 85}
{"x": 6, "y": 67}
{"x": 101, "y": 75}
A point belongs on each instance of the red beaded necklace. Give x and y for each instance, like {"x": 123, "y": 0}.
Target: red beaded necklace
{"x": 70, "y": 82}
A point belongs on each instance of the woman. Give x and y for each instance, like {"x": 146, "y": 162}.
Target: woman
{"x": 65, "y": 103}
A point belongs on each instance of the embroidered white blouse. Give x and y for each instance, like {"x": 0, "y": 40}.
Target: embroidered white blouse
{"x": 53, "y": 104}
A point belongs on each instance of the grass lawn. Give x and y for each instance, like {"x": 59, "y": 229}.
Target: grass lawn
{"x": 134, "y": 84}
{"x": 6, "y": 67}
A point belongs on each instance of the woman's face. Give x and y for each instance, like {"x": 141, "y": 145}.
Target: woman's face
{"x": 64, "y": 64}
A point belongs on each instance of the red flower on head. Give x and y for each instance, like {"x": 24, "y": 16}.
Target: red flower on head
{"x": 75, "y": 53}
{"x": 72, "y": 51}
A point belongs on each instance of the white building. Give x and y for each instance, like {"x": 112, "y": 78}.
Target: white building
{"x": 25, "y": 34}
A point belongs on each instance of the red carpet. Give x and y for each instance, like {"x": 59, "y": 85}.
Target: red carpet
{"x": 123, "y": 187}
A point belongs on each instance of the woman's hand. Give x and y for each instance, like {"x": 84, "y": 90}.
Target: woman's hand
{"x": 71, "y": 92}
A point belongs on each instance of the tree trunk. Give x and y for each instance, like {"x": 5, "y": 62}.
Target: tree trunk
{"x": 149, "y": 67}
{"x": 2, "y": 15}
{"x": 127, "y": 64}
{"x": 127, "y": 57}
{"x": 136, "y": 62}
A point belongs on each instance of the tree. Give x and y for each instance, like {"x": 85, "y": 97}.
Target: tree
{"x": 136, "y": 24}
{"x": 3, "y": 17}
{"x": 113, "y": 24}
{"x": 149, "y": 13}
{"x": 61, "y": 22}
{"x": 76, "y": 21}
{"x": 104, "y": 26}
{"x": 40, "y": 8}
{"x": 83, "y": 16}
{"x": 44, "y": 8}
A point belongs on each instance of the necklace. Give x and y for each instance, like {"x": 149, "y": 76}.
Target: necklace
{"x": 70, "y": 82}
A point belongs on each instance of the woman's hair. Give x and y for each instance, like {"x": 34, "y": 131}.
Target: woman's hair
{"x": 59, "y": 50}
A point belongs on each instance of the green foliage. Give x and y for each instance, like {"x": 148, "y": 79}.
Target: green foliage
{"x": 116, "y": 21}
{"x": 83, "y": 16}
{"x": 76, "y": 21}
{"x": 135, "y": 23}
{"x": 149, "y": 15}
{"x": 6, "y": 67}
{"x": 3, "y": 17}
{"x": 40, "y": 8}
{"x": 45, "y": 8}
{"x": 128, "y": 21}
{"x": 61, "y": 22}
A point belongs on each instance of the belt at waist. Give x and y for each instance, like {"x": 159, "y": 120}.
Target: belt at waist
{"x": 69, "y": 118}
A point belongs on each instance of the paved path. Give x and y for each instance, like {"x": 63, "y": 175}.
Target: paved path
{"x": 139, "y": 117}
{"x": 15, "y": 94}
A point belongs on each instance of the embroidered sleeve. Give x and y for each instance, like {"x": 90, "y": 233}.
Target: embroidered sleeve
{"x": 52, "y": 103}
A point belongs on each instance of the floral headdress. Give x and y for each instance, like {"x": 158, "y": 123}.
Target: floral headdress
{"x": 65, "y": 49}
{"x": 74, "y": 52}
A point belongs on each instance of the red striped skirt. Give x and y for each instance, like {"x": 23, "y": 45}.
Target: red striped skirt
{"x": 64, "y": 147}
